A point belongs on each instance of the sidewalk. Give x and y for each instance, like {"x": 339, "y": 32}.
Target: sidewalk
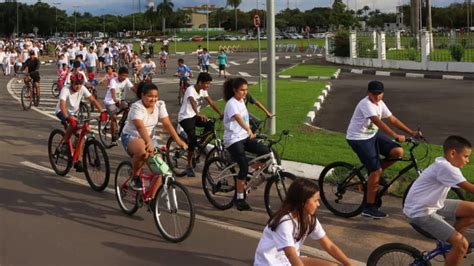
{"x": 302, "y": 169}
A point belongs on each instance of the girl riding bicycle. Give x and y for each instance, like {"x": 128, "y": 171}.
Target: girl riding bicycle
{"x": 288, "y": 228}
{"x": 137, "y": 135}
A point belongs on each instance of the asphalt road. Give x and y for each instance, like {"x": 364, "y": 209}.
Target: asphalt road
{"x": 46, "y": 219}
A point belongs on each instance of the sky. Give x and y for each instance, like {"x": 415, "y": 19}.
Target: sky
{"x": 124, "y": 7}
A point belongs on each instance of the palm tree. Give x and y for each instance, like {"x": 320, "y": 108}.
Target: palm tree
{"x": 164, "y": 10}
{"x": 234, "y": 4}
{"x": 150, "y": 17}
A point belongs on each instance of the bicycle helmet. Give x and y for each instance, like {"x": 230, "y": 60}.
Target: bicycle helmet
{"x": 77, "y": 78}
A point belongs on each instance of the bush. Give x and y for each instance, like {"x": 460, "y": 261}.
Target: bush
{"x": 412, "y": 54}
{"x": 365, "y": 50}
{"x": 341, "y": 44}
{"x": 457, "y": 51}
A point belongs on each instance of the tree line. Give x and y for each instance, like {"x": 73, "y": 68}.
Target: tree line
{"x": 50, "y": 19}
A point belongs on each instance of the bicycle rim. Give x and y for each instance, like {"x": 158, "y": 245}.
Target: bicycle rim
{"x": 60, "y": 161}
{"x": 219, "y": 182}
{"x": 105, "y": 134}
{"x": 276, "y": 190}
{"x": 96, "y": 165}
{"x": 26, "y": 97}
{"x": 396, "y": 254}
{"x": 55, "y": 89}
{"x": 177, "y": 158}
{"x": 174, "y": 212}
{"x": 126, "y": 197}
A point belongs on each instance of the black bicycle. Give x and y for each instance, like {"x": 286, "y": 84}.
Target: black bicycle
{"x": 105, "y": 129}
{"x": 28, "y": 93}
{"x": 344, "y": 186}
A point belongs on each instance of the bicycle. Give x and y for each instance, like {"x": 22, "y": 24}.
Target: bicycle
{"x": 343, "y": 187}
{"x": 91, "y": 88}
{"x": 56, "y": 87}
{"x": 163, "y": 66}
{"x": 94, "y": 158}
{"x": 105, "y": 130}
{"x": 220, "y": 174}
{"x": 28, "y": 93}
{"x": 183, "y": 85}
{"x": 170, "y": 198}
{"x": 403, "y": 254}
{"x": 177, "y": 157}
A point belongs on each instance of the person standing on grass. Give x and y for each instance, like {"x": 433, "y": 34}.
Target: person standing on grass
{"x": 222, "y": 62}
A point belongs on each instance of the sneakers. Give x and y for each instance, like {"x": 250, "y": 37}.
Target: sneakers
{"x": 190, "y": 172}
{"x": 242, "y": 205}
{"x": 372, "y": 212}
{"x": 136, "y": 183}
{"x": 113, "y": 143}
{"x": 79, "y": 167}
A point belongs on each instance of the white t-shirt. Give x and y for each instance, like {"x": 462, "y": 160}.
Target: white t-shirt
{"x": 206, "y": 57}
{"x": 148, "y": 67}
{"x": 123, "y": 90}
{"x": 233, "y": 132}
{"x": 361, "y": 127}
{"x": 139, "y": 112}
{"x": 108, "y": 59}
{"x": 2, "y": 57}
{"x": 72, "y": 99}
{"x": 91, "y": 59}
{"x": 429, "y": 191}
{"x": 270, "y": 248}
{"x": 186, "y": 109}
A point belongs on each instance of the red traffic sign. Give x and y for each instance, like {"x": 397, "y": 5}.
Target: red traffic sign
{"x": 256, "y": 21}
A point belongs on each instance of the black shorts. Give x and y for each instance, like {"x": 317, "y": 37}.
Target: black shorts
{"x": 221, "y": 67}
{"x": 35, "y": 76}
{"x": 101, "y": 59}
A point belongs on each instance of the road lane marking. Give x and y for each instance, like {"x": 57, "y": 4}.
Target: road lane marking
{"x": 251, "y": 60}
{"x": 234, "y": 63}
{"x": 244, "y": 74}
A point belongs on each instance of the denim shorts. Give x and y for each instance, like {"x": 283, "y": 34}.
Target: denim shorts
{"x": 369, "y": 150}
{"x": 126, "y": 138}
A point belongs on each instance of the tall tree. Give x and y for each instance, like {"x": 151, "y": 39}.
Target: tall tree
{"x": 164, "y": 10}
{"x": 150, "y": 17}
{"x": 234, "y": 4}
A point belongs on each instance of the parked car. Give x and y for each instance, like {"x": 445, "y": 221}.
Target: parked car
{"x": 278, "y": 37}
{"x": 175, "y": 39}
{"x": 197, "y": 38}
{"x": 230, "y": 38}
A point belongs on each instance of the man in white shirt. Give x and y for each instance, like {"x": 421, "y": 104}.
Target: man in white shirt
{"x": 189, "y": 117}
{"x": 368, "y": 143}
{"x": 91, "y": 60}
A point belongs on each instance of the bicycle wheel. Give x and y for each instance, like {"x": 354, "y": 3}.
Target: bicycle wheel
{"x": 26, "y": 97}
{"x": 60, "y": 159}
{"x": 96, "y": 165}
{"x": 275, "y": 191}
{"x": 36, "y": 98}
{"x": 174, "y": 212}
{"x": 105, "y": 133}
{"x": 84, "y": 112}
{"x": 342, "y": 189}
{"x": 394, "y": 254}
{"x": 177, "y": 158}
{"x": 126, "y": 197}
{"x": 55, "y": 89}
{"x": 219, "y": 182}
{"x": 215, "y": 152}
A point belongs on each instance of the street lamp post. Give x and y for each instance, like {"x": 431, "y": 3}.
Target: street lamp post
{"x": 207, "y": 24}
{"x": 56, "y": 4}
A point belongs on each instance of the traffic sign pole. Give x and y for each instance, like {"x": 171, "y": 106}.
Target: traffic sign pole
{"x": 256, "y": 23}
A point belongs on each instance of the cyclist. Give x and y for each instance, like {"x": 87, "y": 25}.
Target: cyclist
{"x": 189, "y": 117}
{"x": 183, "y": 71}
{"x": 254, "y": 121}
{"x": 288, "y": 228}
{"x": 91, "y": 60}
{"x": 206, "y": 58}
{"x": 163, "y": 58}
{"x": 109, "y": 75}
{"x": 368, "y": 143}
{"x": 137, "y": 135}
{"x": 68, "y": 107}
{"x": 148, "y": 67}
{"x": 238, "y": 137}
{"x": 199, "y": 57}
{"x": 426, "y": 205}
{"x": 136, "y": 64}
{"x": 32, "y": 65}
{"x": 76, "y": 69}
{"x": 115, "y": 101}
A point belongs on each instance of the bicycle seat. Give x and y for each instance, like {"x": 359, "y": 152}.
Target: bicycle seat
{"x": 423, "y": 232}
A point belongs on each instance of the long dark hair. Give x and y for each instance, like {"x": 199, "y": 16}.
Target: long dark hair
{"x": 144, "y": 87}
{"x": 232, "y": 84}
{"x": 299, "y": 192}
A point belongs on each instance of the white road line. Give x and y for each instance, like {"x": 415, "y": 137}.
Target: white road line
{"x": 244, "y": 74}
{"x": 287, "y": 57}
{"x": 298, "y": 56}
{"x": 277, "y": 57}
{"x": 220, "y": 224}
{"x": 264, "y": 59}
{"x": 251, "y": 60}
{"x": 234, "y": 63}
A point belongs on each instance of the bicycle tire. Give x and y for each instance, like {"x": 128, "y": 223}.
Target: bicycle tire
{"x": 105, "y": 134}
{"x": 96, "y": 169}
{"x": 55, "y": 155}
{"x": 276, "y": 190}
{"x": 84, "y": 112}
{"x": 55, "y": 89}
{"x": 387, "y": 255}
{"x": 26, "y": 97}
{"x": 129, "y": 205}
{"x": 36, "y": 98}
{"x": 182, "y": 214}
{"x": 176, "y": 157}
{"x": 332, "y": 192}
{"x": 219, "y": 182}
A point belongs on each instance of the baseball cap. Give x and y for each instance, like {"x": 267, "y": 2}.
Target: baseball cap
{"x": 375, "y": 86}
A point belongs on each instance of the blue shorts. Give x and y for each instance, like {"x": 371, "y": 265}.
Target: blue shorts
{"x": 126, "y": 138}
{"x": 369, "y": 150}
{"x": 61, "y": 117}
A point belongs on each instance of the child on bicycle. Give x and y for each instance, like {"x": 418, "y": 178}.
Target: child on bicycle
{"x": 238, "y": 137}
{"x": 68, "y": 107}
{"x": 137, "y": 135}
{"x": 288, "y": 228}
{"x": 182, "y": 70}
{"x": 163, "y": 59}
{"x": 367, "y": 142}
{"x": 189, "y": 117}
{"x": 110, "y": 74}
{"x": 426, "y": 205}
{"x": 115, "y": 99}
{"x": 148, "y": 67}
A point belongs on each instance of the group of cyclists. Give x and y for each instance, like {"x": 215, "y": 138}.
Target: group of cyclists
{"x": 367, "y": 134}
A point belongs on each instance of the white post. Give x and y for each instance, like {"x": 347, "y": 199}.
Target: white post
{"x": 259, "y": 60}
{"x": 399, "y": 43}
{"x": 271, "y": 81}
{"x": 327, "y": 46}
{"x": 453, "y": 37}
{"x": 353, "y": 45}
{"x": 381, "y": 46}
{"x": 374, "y": 39}
{"x": 425, "y": 48}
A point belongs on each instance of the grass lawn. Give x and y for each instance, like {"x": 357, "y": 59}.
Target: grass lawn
{"x": 310, "y": 70}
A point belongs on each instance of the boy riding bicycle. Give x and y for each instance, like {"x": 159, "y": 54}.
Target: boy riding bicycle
{"x": 426, "y": 205}
{"x": 368, "y": 143}
{"x": 189, "y": 117}
{"x": 32, "y": 65}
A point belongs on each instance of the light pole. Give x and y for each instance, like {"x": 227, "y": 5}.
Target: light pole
{"x": 75, "y": 21}
{"x": 207, "y": 25}
{"x": 56, "y": 4}
{"x": 17, "y": 27}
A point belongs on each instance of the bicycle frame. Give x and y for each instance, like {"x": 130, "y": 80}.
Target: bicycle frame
{"x": 75, "y": 151}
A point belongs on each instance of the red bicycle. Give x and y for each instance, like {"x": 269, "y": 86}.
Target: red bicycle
{"x": 168, "y": 200}
{"x": 63, "y": 155}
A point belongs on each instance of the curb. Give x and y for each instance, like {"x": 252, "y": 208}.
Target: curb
{"x": 311, "y": 116}
{"x": 334, "y": 76}
{"x": 405, "y": 74}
